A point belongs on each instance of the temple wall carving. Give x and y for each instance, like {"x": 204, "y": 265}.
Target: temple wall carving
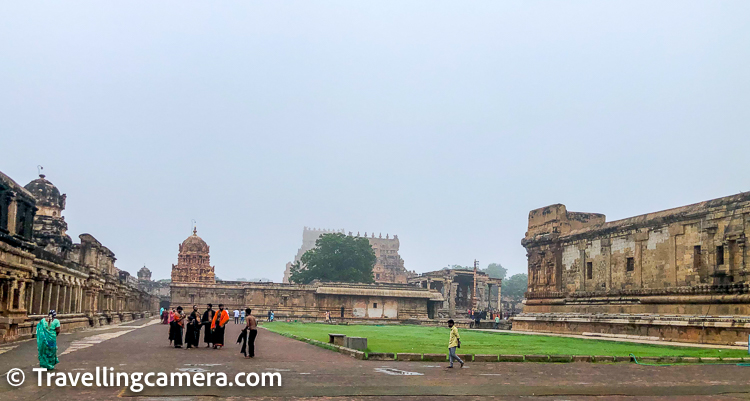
{"x": 42, "y": 269}
{"x": 690, "y": 261}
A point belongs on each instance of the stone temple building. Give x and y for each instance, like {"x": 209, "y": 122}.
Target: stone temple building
{"x": 345, "y": 301}
{"x": 41, "y": 268}
{"x": 389, "y": 267}
{"x": 457, "y": 288}
{"x": 681, "y": 274}
{"x": 193, "y": 262}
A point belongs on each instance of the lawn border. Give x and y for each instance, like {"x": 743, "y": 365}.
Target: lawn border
{"x": 412, "y": 357}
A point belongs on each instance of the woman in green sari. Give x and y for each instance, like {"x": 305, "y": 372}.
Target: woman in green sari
{"x": 46, "y": 340}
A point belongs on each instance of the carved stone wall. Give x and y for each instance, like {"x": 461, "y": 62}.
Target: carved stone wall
{"x": 690, "y": 261}
{"x": 43, "y": 270}
{"x": 359, "y": 301}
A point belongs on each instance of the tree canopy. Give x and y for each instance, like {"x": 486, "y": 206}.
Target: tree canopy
{"x": 336, "y": 257}
{"x": 515, "y": 286}
{"x": 496, "y": 270}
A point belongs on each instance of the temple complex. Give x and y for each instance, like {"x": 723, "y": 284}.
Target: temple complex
{"x": 193, "y": 262}
{"x": 42, "y": 269}
{"x": 679, "y": 274}
{"x": 193, "y": 283}
{"x": 345, "y": 301}
{"x": 457, "y": 286}
{"x": 389, "y": 267}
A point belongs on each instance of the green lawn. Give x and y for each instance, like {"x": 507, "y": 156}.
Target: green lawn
{"x": 421, "y": 339}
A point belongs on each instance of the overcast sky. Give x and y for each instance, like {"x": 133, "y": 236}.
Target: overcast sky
{"x": 444, "y": 122}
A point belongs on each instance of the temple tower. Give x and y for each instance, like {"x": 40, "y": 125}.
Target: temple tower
{"x": 193, "y": 262}
{"x": 49, "y": 225}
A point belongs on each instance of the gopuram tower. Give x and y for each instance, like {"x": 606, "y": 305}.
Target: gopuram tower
{"x": 193, "y": 262}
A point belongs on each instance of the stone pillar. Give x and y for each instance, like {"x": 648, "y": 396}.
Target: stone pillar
{"x": 61, "y": 304}
{"x": 452, "y": 299}
{"x": 55, "y": 297}
{"x": 15, "y": 298}
{"x": 69, "y": 299}
{"x": 79, "y": 299}
{"x": 89, "y": 307}
{"x": 47, "y": 297}
{"x": 36, "y": 303}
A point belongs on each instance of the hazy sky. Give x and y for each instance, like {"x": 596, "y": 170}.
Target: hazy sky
{"x": 444, "y": 122}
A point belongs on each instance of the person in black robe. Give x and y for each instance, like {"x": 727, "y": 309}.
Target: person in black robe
{"x": 175, "y": 328}
{"x": 208, "y": 317}
{"x": 192, "y": 336}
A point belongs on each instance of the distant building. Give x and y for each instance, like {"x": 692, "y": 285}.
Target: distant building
{"x": 389, "y": 267}
{"x": 457, "y": 288}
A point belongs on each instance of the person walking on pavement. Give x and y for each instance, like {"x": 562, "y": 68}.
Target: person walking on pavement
{"x": 236, "y": 316}
{"x": 453, "y": 343}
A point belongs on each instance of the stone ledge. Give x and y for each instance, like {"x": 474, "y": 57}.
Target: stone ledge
{"x": 408, "y": 357}
{"x": 435, "y": 357}
{"x": 485, "y": 358}
{"x": 536, "y": 358}
{"x": 561, "y": 358}
{"x": 381, "y": 356}
{"x": 510, "y": 358}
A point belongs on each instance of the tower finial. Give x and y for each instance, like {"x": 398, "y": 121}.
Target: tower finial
{"x": 39, "y": 169}
{"x": 195, "y": 227}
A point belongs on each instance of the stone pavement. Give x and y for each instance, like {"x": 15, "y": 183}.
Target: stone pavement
{"x": 312, "y": 372}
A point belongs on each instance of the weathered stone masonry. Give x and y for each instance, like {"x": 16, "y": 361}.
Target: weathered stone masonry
{"x": 193, "y": 283}
{"x": 345, "y": 301}
{"x": 42, "y": 269}
{"x": 679, "y": 274}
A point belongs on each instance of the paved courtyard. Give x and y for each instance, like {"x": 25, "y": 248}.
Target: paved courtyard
{"x": 312, "y": 372}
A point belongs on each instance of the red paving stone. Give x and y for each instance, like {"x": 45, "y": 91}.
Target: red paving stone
{"x": 311, "y": 372}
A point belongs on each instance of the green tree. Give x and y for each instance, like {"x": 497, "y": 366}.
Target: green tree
{"x": 336, "y": 257}
{"x": 515, "y": 286}
{"x": 496, "y": 270}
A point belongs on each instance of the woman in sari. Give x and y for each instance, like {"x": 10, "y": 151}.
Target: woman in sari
{"x": 46, "y": 340}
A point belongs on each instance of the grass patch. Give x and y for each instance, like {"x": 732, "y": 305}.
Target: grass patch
{"x": 423, "y": 340}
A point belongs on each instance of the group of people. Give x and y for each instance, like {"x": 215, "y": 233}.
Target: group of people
{"x": 478, "y": 316}
{"x": 214, "y": 324}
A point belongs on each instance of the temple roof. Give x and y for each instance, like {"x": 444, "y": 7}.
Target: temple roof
{"x": 46, "y": 193}
{"x": 194, "y": 243}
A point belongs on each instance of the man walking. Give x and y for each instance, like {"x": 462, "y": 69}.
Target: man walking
{"x": 453, "y": 343}
{"x": 242, "y": 317}
{"x": 497, "y": 321}
{"x": 251, "y": 329}
{"x": 236, "y": 316}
